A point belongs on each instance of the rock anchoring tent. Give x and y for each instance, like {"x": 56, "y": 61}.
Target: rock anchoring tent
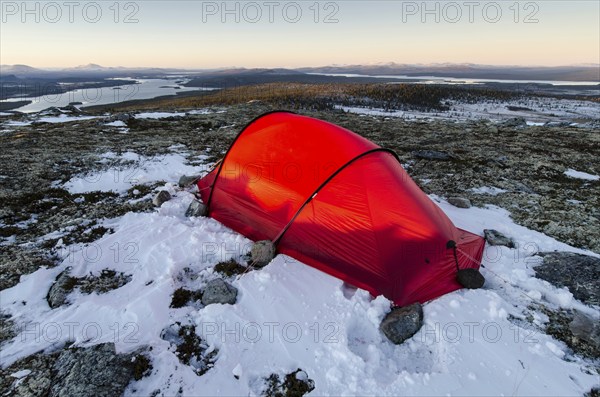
{"x": 336, "y": 201}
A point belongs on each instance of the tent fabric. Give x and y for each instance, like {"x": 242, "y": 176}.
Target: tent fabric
{"x": 336, "y": 201}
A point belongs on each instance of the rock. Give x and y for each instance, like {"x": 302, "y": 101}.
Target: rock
{"x": 70, "y": 108}
{"x": 219, "y": 291}
{"x": 36, "y": 384}
{"x": 186, "y": 180}
{"x": 494, "y": 237}
{"x": 460, "y": 202}
{"x": 515, "y": 122}
{"x": 124, "y": 117}
{"x": 64, "y": 284}
{"x": 580, "y": 273}
{"x": 91, "y": 371}
{"x": 492, "y": 129}
{"x": 470, "y": 278}
{"x": 161, "y": 197}
{"x": 432, "y": 155}
{"x": 262, "y": 253}
{"x": 586, "y": 328}
{"x": 196, "y": 208}
{"x": 402, "y": 323}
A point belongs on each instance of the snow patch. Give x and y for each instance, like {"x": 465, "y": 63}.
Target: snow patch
{"x": 581, "y": 175}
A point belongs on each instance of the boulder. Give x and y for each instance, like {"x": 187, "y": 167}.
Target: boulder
{"x": 470, "y": 278}
{"x": 62, "y": 287}
{"x": 219, "y": 291}
{"x": 460, "y": 202}
{"x": 161, "y": 197}
{"x": 494, "y": 237}
{"x": 186, "y": 180}
{"x": 196, "y": 208}
{"x": 262, "y": 253}
{"x": 580, "y": 273}
{"x": 402, "y": 323}
{"x": 515, "y": 122}
{"x": 93, "y": 371}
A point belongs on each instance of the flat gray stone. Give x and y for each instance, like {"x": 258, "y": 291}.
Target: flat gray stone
{"x": 494, "y": 237}
{"x": 187, "y": 180}
{"x": 586, "y": 328}
{"x": 460, "y": 202}
{"x": 62, "y": 287}
{"x": 402, "y": 323}
{"x": 219, "y": 291}
{"x": 262, "y": 253}
{"x": 161, "y": 197}
{"x": 196, "y": 208}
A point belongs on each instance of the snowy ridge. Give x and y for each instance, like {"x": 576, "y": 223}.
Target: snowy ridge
{"x": 290, "y": 316}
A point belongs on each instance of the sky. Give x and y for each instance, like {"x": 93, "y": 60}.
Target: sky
{"x": 211, "y": 34}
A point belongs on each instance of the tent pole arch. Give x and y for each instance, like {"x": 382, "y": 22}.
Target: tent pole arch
{"x": 279, "y": 236}
{"x": 212, "y": 188}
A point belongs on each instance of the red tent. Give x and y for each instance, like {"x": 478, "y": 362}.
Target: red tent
{"x": 336, "y": 201}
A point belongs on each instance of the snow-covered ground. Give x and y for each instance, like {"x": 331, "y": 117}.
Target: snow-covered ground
{"x": 536, "y": 111}
{"x": 289, "y": 315}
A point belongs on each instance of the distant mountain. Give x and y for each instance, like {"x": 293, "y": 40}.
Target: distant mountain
{"x": 18, "y": 69}
{"x": 467, "y": 70}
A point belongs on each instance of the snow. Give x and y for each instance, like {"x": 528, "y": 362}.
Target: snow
{"x": 581, "y": 175}
{"x": 129, "y": 169}
{"x": 291, "y": 316}
{"x": 15, "y": 123}
{"x": 491, "y": 190}
{"x": 206, "y": 111}
{"x": 116, "y": 123}
{"x": 536, "y": 111}
{"x": 63, "y": 118}
{"x": 21, "y": 374}
{"x": 158, "y": 115}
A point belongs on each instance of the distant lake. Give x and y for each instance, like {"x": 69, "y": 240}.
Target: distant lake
{"x": 144, "y": 89}
{"x": 465, "y": 80}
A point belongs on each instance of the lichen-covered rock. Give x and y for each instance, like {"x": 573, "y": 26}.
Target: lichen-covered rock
{"x": 219, "y": 291}
{"x": 92, "y": 371}
{"x": 262, "y": 253}
{"x": 494, "y": 237}
{"x": 402, "y": 323}
{"x": 74, "y": 372}
{"x": 580, "y": 273}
